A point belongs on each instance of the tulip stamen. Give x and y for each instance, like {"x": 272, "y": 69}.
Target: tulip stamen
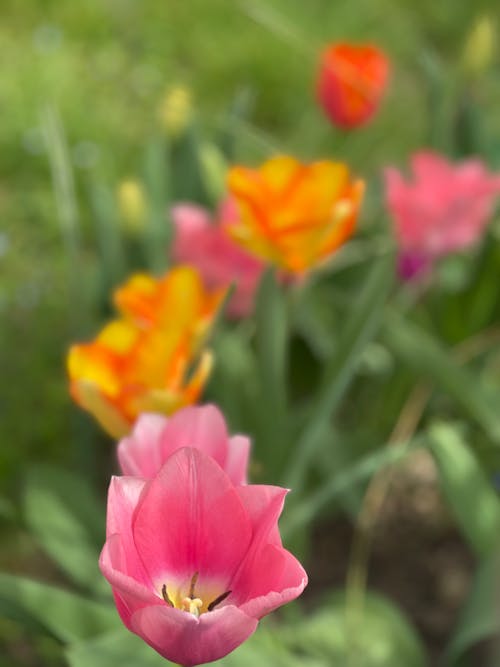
{"x": 192, "y": 585}
{"x": 165, "y": 595}
{"x": 218, "y": 600}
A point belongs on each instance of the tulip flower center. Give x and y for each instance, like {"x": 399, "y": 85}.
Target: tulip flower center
{"x": 191, "y": 603}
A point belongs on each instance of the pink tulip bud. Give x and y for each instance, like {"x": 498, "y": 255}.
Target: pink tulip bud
{"x": 155, "y": 438}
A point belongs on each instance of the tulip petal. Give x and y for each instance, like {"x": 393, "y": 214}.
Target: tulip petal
{"x": 130, "y": 594}
{"x": 186, "y": 640}
{"x": 237, "y": 459}
{"x": 294, "y": 214}
{"x": 444, "y": 209}
{"x": 154, "y": 438}
{"x": 190, "y": 519}
{"x": 269, "y": 575}
{"x": 430, "y": 168}
{"x": 91, "y": 398}
{"x": 140, "y": 454}
{"x": 204, "y": 243}
{"x": 147, "y": 360}
{"x": 200, "y": 427}
{"x": 264, "y": 505}
{"x": 351, "y": 82}
{"x": 123, "y": 496}
{"x": 270, "y": 578}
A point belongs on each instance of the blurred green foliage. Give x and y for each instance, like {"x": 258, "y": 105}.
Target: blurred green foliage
{"x": 105, "y": 67}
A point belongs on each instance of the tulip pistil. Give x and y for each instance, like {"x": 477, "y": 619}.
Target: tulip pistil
{"x": 192, "y": 605}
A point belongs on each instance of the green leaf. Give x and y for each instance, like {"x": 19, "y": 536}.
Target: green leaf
{"x": 480, "y": 617}
{"x": 426, "y": 356}
{"x": 239, "y": 111}
{"x": 109, "y": 240}
{"x": 277, "y": 23}
{"x": 213, "y": 167}
{"x": 186, "y": 178}
{"x": 158, "y": 231}
{"x": 64, "y": 184}
{"x": 466, "y": 488}
{"x": 380, "y": 637}
{"x": 234, "y": 382}
{"x": 115, "y": 648}
{"x": 67, "y": 616}
{"x": 265, "y": 648}
{"x": 63, "y": 514}
{"x": 314, "y": 318}
{"x": 360, "y": 327}
{"x": 272, "y": 339}
{"x": 308, "y": 508}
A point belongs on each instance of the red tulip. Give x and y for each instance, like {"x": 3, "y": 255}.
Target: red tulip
{"x": 352, "y": 80}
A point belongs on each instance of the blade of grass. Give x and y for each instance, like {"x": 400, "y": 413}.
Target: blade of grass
{"x": 113, "y": 266}
{"x": 277, "y": 24}
{"x": 63, "y": 182}
{"x": 158, "y": 231}
{"x": 466, "y": 488}
{"x": 426, "y": 356}
{"x": 308, "y": 508}
{"x": 272, "y": 352}
{"x": 240, "y": 109}
{"x": 78, "y": 292}
{"x": 360, "y": 327}
{"x": 67, "y": 209}
{"x": 480, "y": 616}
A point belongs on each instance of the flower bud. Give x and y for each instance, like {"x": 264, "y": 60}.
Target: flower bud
{"x": 132, "y": 206}
{"x": 479, "y": 48}
{"x": 175, "y": 111}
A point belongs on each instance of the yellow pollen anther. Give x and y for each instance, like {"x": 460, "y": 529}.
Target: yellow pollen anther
{"x": 192, "y": 605}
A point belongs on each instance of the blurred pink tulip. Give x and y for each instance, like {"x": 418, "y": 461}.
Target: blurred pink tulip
{"x": 445, "y": 209}
{"x": 155, "y": 437}
{"x": 204, "y": 243}
{"x": 194, "y": 561}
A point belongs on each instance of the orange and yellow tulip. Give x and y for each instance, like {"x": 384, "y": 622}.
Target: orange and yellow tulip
{"x": 292, "y": 214}
{"x": 151, "y": 358}
{"x": 352, "y": 80}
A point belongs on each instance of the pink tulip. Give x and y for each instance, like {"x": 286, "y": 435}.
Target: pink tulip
{"x": 444, "y": 210}
{"x": 194, "y": 561}
{"x": 155, "y": 437}
{"x": 204, "y": 243}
